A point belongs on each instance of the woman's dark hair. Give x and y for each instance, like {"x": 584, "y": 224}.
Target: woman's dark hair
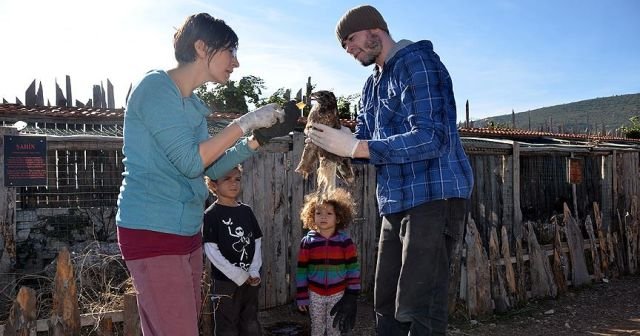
{"x": 215, "y": 33}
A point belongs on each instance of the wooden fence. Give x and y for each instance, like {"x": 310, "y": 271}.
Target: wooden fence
{"x": 506, "y": 276}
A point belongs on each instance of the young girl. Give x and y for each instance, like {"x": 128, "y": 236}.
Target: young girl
{"x": 232, "y": 242}
{"x": 328, "y": 274}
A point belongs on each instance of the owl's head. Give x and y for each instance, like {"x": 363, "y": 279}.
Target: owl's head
{"x": 326, "y": 99}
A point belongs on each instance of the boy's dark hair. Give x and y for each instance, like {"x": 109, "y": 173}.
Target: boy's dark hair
{"x": 340, "y": 199}
{"x": 215, "y": 34}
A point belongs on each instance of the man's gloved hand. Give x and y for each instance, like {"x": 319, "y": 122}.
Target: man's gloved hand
{"x": 264, "y": 116}
{"x": 291, "y": 114}
{"x": 345, "y": 312}
{"x": 339, "y": 142}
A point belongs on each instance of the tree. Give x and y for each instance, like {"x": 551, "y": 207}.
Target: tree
{"x": 344, "y": 105}
{"x": 230, "y": 97}
{"x": 632, "y": 131}
{"x": 281, "y": 96}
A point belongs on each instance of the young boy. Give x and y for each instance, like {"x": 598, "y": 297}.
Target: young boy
{"x": 232, "y": 242}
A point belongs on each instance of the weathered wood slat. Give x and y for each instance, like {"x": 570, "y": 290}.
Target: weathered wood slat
{"x": 498, "y": 291}
{"x": 296, "y": 195}
{"x": 23, "y": 314}
{"x": 478, "y": 279}
{"x": 579, "y": 273}
{"x": 521, "y": 289}
{"x": 557, "y": 267}
{"x": 593, "y": 244}
{"x": 602, "y": 241}
{"x": 542, "y": 284}
{"x": 65, "y": 316}
{"x": 206, "y": 315}
{"x": 631, "y": 236}
{"x": 106, "y": 327}
{"x": 509, "y": 272}
{"x": 130, "y": 318}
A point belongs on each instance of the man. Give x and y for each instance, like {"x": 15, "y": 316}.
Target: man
{"x": 407, "y": 128}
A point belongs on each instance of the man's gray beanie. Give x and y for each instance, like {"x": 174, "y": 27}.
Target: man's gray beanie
{"x": 357, "y": 19}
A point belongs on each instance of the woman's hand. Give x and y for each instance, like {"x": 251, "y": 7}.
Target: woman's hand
{"x": 264, "y": 116}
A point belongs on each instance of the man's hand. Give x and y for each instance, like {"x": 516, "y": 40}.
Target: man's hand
{"x": 345, "y": 312}
{"x": 339, "y": 142}
{"x": 264, "y": 116}
{"x": 291, "y": 114}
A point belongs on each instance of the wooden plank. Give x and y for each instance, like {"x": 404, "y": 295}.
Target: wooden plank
{"x": 65, "y": 315}
{"x": 611, "y": 252}
{"x": 579, "y": 273}
{"x": 607, "y": 194}
{"x": 517, "y": 211}
{"x": 631, "y": 236}
{"x": 206, "y": 315}
{"x": 509, "y": 272}
{"x": 620, "y": 262}
{"x": 499, "y": 294}
{"x": 507, "y": 194}
{"x": 542, "y": 284}
{"x": 297, "y": 198}
{"x": 106, "y": 327}
{"x": 478, "y": 278}
{"x": 521, "y": 290}
{"x": 130, "y": 315}
{"x": 557, "y": 267}
{"x": 23, "y": 314}
{"x": 602, "y": 241}
{"x": 281, "y": 223}
{"x": 593, "y": 243}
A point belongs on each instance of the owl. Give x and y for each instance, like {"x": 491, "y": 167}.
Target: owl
{"x": 325, "y": 111}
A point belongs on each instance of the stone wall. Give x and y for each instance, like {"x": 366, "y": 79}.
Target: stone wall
{"x": 41, "y": 233}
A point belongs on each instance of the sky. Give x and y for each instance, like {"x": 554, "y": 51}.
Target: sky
{"x": 502, "y": 55}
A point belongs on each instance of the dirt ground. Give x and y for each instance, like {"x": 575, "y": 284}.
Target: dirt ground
{"x": 611, "y": 308}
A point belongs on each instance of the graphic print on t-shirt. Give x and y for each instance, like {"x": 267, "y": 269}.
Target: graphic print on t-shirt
{"x": 240, "y": 245}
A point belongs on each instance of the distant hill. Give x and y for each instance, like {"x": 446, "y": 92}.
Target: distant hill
{"x": 579, "y": 117}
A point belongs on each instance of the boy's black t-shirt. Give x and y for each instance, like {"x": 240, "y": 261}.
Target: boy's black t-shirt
{"x": 234, "y": 230}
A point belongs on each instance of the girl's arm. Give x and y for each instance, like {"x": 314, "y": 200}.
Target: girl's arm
{"x": 352, "y": 267}
{"x": 302, "y": 282}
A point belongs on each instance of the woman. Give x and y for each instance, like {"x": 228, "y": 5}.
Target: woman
{"x": 167, "y": 152}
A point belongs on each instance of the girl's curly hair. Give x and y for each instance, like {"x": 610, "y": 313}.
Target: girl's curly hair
{"x": 340, "y": 199}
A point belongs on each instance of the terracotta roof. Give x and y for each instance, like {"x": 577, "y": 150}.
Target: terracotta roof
{"x": 528, "y": 134}
{"x": 60, "y": 112}
{"x": 219, "y": 120}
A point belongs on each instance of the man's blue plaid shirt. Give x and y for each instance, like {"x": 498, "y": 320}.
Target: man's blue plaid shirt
{"x": 408, "y": 116}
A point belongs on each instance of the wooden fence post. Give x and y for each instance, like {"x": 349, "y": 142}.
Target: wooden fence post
{"x": 22, "y": 318}
{"x": 499, "y": 294}
{"x": 7, "y": 217}
{"x": 65, "y": 316}
{"x": 131, "y": 318}
{"x": 478, "y": 290}
{"x": 106, "y": 327}
{"x": 575, "y": 240}
{"x": 206, "y": 314}
{"x": 542, "y": 284}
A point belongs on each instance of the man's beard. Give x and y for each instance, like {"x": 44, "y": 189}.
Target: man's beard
{"x": 373, "y": 48}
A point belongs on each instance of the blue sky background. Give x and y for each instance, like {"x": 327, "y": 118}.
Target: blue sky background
{"x": 502, "y": 54}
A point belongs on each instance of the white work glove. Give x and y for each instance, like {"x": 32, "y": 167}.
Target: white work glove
{"x": 264, "y": 116}
{"x": 340, "y": 142}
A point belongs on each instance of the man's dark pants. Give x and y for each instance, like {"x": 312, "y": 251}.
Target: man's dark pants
{"x": 412, "y": 273}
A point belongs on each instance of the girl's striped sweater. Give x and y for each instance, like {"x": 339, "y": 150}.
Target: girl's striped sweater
{"x": 326, "y": 266}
